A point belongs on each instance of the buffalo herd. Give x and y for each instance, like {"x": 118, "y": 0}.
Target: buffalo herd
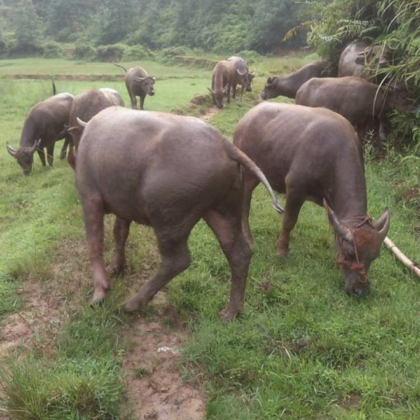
{"x": 170, "y": 171}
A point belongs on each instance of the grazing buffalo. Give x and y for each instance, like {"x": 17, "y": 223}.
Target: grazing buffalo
{"x": 138, "y": 83}
{"x": 313, "y": 154}
{"x": 222, "y": 82}
{"x": 45, "y": 124}
{"x": 356, "y": 99}
{"x": 242, "y": 76}
{"x": 168, "y": 172}
{"x": 288, "y": 86}
{"x": 85, "y": 106}
{"x": 359, "y": 59}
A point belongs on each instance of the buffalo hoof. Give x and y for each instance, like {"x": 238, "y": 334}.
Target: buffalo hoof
{"x": 117, "y": 269}
{"x": 282, "y": 253}
{"x": 98, "y": 297}
{"x": 228, "y": 314}
{"x": 63, "y": 154}
{"x": 132, "y": 305}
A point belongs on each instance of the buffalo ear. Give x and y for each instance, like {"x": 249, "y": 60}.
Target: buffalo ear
{"x": 11, "y": 150}
{"x": 341, "y": 230}
{"x": 270, "y": 80}
{"x": 382, "y": 224}
{"x": 252, "y": 75}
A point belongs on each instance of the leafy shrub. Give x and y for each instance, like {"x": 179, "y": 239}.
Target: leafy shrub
{"x": 84, "y": 52}
{"x": 250, "y": 57}
{"x": 52, "y": 50}
{"x": 110, "y": 53}
{"x": 174, "y": 51}
{"x": 137, "y": 52}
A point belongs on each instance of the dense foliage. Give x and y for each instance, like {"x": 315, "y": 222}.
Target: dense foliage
{"x": 213, "y": 25}
{"x": 391, "y": 23}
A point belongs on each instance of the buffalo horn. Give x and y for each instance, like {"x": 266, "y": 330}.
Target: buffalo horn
{"x": 10, "y": 149}
{"x": 140, "y": 79}
{"x": 81, "y": 123}
{"x": 382, "y": 224}
{"x": 339, "y": 228}
{"x": 35, "y": 146}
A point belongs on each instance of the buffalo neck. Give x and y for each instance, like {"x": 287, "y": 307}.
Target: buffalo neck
{"x": 347, "y": 195}
{"x": 287, "y": 86}
{"x": 29, "y": 133}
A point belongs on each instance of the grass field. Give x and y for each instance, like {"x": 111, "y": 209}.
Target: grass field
{"x": 302, "y": 349}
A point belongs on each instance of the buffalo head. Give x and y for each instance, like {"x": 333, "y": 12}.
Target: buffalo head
{"x": 374, "y": 56}
{"x": 357, "y": 245}
{"x": 269, "y": 89}
{"x": 147, "y": 84}
{"x": 217, "y": 96}
{"x": 24, "y": 156}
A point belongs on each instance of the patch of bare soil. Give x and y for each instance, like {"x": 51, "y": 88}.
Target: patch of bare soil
{"x": 39, "y": 316}
{"x": 211, "y": 112}
{"x": 156, "y": 390}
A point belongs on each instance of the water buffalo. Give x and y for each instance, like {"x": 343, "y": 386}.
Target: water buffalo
{"x": 288, "y": 86}
{"x": 313, "y": 154}
{"x": 85, "y": 106}
{"x": 45, "y": 124}
{"x": 168, "y": 172}
{"x": 242, "y": 76}
{"x": 358, "y": 59}
{"x": 222, "y": 82}
{"x": 356, "y": 99}
{"x": 138, "y": 83}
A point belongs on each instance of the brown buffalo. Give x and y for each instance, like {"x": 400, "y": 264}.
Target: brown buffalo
{"x": 168, "y": 172}
{"x": 314, "y": 155}
{"x": 360, "y": 59}
{"x": 138, "y": 83}
{"x": 85, "y": 106}
{"x": 242, "y": 76}
{"x": 288, "y": 86}
{"x": 222, "y": 82}
{"x": 45, "y": 124}
{"x": 361, "y": 102}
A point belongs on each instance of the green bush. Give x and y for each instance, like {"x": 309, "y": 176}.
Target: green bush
{"x": 111, "y": 53}
{"x": 84, "y": 52}
{"x": 52, "y": 49}
{"x": 137, "y": 52}
{"x": 173, "y": 51}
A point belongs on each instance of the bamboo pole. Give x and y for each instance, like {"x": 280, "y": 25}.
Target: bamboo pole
{"x": 412, "y": 266}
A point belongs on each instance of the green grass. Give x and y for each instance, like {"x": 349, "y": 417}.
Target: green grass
{"x": 302, "y": 349}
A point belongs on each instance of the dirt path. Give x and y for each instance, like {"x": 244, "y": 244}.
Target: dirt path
{"x": 155, "y": 387}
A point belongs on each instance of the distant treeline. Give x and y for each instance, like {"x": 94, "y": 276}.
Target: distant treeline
{"x": 211, "y": 25}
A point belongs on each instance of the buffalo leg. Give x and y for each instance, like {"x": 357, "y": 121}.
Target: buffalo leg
{"x": 175, "y": 259}
{"x": 227, "y": 228}
{"x": 41, "y": 155}
{"x": 228, "y": 94}
{"x": 63, "y": 151}
{"x": 250, "y": 183}
{"x": 383, "y": 130}
{"x": 121, "y": 231}
{"x": 234, "y": 91}
{"x": 50, "y": 154}
{"x": 133, "y": 99}
{"x": 71, "y": 158}
{"x": 142, "y": 98}
{"x": 94, "y": 225}
{"x": 294, "y": 203}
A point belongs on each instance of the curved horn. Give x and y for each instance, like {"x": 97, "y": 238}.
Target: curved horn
{"x": 240, "y": 73}
{"x": 225, "y": 89}
{"x": 35, "y": 146}
{"x": 81, "y": 123}
{"x": 339, "y": 228}
{"x": 382, "y": 224}
{"x": 10, "y": 149}
{"x": 140, "y": 79}
{"x": 252, "y": 74}
{"x": 210, "y": 90}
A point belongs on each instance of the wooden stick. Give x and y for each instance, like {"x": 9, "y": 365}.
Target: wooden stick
{"x": 412, "y": 266}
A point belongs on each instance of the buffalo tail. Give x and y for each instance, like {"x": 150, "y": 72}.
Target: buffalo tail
{"x": 120, "y": 66}
{"x": 240, "y": 157}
